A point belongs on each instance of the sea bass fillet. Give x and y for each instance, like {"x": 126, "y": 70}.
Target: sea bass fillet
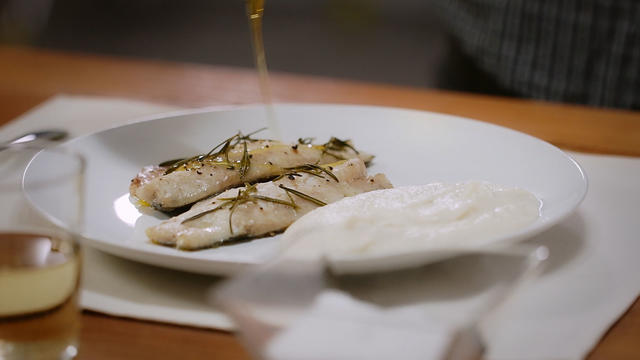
{"x": 264, "y": 208}
{"x": 242, "y": 160}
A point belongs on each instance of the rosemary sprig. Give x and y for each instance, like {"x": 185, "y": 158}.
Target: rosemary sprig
{"x": 335, "y": 144}
{"x": 223, "y": 143}
{"x": 224, "y": 148}
{"x": 243, "y": 196}
{"x": 169, "y": 162}
{"x": 178, "y": 164}
{"x": 248, "y": 195}
{"x": 224, "y": 151}
{"x": 311, "y": 169}
{"x": 339, "y": 145}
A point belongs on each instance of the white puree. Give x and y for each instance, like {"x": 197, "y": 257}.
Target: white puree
{"x": 432, "y": 216}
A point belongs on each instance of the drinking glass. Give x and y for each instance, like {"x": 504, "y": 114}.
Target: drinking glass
{"x": 40, "y": 259}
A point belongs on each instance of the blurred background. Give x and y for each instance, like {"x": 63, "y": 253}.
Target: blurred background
{"x": 575, "y": 51}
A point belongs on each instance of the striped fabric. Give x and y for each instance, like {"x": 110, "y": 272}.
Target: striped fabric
{"x": 582, "y": 51}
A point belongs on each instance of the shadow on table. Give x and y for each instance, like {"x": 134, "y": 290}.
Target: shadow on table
{"x": 464, "y": 277}
{"x": 564, "y": 241}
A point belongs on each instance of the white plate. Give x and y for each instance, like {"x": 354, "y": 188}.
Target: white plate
{"x": 411, "y": 147}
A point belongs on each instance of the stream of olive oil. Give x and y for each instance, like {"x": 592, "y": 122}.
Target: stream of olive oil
{"x": 255, "y": 12}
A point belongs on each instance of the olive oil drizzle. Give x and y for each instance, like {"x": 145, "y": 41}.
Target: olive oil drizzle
{"x": 255, "y": 14}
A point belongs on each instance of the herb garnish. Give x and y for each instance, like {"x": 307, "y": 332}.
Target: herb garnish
{"x": 245, "y": 163}
{"x": 243, "y": 196}
{"x": 305, "y": 141}
{"x": 335, "y": 144}
{"x": 222, "y": 150}
{"x": 169, "y": 162}
{"x": 225, "y": 146}
{"x": 302, "y": 195}
{"x": 249, "y": 195}
{"x": 311, "y": 169}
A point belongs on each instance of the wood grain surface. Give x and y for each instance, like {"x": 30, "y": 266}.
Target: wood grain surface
{"x": 29, "y": 76}
{"x": 107, "y": 338}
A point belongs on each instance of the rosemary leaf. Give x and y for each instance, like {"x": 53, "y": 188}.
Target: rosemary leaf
{"x": 169, "y": 162}
{"x": 303, "y": 195}
{"x": 248, "y": 136}
{"x": 233, "y": 208}
{"x": 336, "y": 144}
{"x": 274, "y": 200}
{"x": 199, "y": 215}
{"x": 310, "y": 172}
{"x": 245, "y": 163}
{"x": 311, "y": 169}
{"x": 225, "y": 150}
{"x": 291, "y": 199}
{"x": 177, "y": 165}
{"x": 321, "y": 169}
{"x": 225, "y": 146}
{"x": 221, "y": 144}
{"x": 305, "y": 141}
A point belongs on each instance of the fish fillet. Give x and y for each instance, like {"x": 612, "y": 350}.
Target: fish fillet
{"x": 199, "y": 179}
{"x": 207, "y": 224}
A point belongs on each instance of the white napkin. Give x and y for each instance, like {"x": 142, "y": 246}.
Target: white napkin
{"x": 594, "y": 271}
{"x": 293, "y": 310}
{"x": 591, "y": 280}
{"x": 339, "y": 326}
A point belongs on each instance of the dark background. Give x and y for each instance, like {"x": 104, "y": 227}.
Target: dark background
{"x": 391, "y": 41}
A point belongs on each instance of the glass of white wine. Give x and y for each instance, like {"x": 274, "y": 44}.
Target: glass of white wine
{"x": 40, "y": 259}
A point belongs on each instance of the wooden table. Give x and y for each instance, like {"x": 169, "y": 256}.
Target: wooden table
{"x": 29, "y": 76}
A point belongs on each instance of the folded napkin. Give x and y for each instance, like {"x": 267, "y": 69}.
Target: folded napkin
{"x": 339, "y": 326}
{"x": 590, "y": 281}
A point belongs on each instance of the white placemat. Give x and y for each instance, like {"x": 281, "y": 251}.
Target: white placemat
{"x": 591, "y": 280}
{"x": 81, "y": 115}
